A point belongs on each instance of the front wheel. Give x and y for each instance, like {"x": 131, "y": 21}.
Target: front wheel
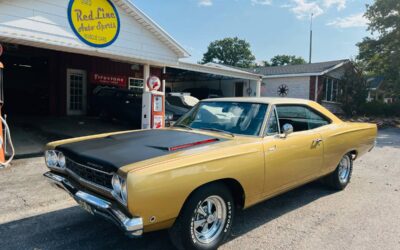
{"x": 205, "y": 220}
{"x": 340, "y": 178}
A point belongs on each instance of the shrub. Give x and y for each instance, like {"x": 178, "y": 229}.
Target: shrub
{"x": 380, "y": 109}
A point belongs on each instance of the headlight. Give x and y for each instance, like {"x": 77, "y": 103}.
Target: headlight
{"x": 169, "y": 117}
{"x": 124, "y": 193}
{"x": 61, "y": 160}
{"x": 55, "y": 159}
{"x": 119, "y": 188}
{"x": 116, "y": 183}
{"x": 51, "y": 158}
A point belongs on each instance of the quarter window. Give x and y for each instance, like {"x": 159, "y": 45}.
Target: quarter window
{"x": 273, "y": 125}
{"x": 300, "y": 117}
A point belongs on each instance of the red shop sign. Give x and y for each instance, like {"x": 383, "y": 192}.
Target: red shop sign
{"x": 97, "y": 78}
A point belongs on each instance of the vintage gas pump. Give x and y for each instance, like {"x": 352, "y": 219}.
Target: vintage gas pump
{"x": 5, "y": 136}
{"x": 153, "y": 111}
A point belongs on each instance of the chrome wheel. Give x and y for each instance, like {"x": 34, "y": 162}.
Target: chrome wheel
{"x": 344, "y": 169}
{"x": 209, "y": 219}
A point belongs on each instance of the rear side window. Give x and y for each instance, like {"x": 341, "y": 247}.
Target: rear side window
{"x": 300, "y": 117}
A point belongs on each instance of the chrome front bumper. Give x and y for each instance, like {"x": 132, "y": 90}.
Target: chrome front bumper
{"x": 133, "y": 227}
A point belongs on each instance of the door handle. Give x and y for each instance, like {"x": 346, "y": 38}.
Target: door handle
{"x": 318, "y": 141}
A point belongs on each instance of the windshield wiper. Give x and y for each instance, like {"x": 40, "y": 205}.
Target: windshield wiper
{"x": 219, "y": 130}
{"x": 183, "y": 126}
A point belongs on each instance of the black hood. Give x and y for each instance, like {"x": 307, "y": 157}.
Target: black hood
{"x": 112, "y": 152}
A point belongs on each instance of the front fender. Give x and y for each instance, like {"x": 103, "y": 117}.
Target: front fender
{"x": 158, "y": 193}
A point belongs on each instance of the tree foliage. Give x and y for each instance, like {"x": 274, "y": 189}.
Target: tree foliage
{"x": 381, "y": 53}
{"x": 354, "y": 88}
{"x": 282, "y": 60}
{"x": 230, "y": 51}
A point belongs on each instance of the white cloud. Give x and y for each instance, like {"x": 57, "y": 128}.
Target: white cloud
{"x": 205, "y": 3}
{"x": 303, "y": 9}
{"x": 353, "y": 21}
{"x": 340, "y": 4}
{"x": 261, "y": 2}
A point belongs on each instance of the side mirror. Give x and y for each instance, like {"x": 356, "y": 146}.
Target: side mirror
{"x": 287, "y": 130}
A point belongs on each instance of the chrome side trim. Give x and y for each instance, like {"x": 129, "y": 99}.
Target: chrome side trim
{"x": 133, "y": 227}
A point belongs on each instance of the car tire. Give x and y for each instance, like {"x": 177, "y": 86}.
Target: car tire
{"x": 205, "y": 220}
{"x": 340, "y": 178}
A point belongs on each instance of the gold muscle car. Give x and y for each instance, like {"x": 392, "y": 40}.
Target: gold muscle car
{"x": 223, "y": 155}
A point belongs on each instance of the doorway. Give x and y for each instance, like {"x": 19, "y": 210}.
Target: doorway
{"x": 239, "y": 89}
{"x": 76, "y": 92}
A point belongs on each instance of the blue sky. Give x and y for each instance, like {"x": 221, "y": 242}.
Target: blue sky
{"x": 271, "y": 26}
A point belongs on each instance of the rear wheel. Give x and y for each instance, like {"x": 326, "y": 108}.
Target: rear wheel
{"x": 340, "y": 178}
{"x": 205, "y": 220}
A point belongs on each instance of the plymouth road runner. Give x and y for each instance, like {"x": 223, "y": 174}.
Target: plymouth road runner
{"x": 223, "y": 155}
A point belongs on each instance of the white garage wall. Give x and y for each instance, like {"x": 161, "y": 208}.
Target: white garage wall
{"x": 299, "y": 87}
{"x": 227, "y": 86}
{"x": 46, "y": 21}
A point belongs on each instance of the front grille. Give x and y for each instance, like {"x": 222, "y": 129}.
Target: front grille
{"x": 90, "y": 174}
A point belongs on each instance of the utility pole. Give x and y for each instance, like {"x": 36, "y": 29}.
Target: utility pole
{"x": 311, "y": 37}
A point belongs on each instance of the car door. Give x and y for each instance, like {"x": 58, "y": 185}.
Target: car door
{"x": 293, "y": 159}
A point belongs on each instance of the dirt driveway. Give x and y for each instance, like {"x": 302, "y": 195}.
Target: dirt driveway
{"x": 366, "y": 215}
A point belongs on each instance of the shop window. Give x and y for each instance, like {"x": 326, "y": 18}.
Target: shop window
{"x": 331, "y": 89}
{"x": 136, "y": 84}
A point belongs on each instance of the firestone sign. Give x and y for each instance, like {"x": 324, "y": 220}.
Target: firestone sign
{"x": 95, "y": 22}
{"x": 97, "y": 78}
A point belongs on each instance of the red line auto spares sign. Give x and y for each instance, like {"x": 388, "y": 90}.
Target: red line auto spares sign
{"x": 94, "y": 22}
{"x": 105, "y": 79}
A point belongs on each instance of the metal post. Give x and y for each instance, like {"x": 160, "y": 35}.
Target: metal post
{"x": 146, "y": 99}
{"x": 146, "y": 76}
{"x": 164, "y": 80}
{"x": 311, "y": 37}
{"x": 258, "y": 88}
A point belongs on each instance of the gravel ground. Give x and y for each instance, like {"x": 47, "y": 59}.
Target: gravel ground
{"x": 34, "y": 215}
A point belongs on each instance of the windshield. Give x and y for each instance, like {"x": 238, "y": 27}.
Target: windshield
{"x": 232, "y": 117}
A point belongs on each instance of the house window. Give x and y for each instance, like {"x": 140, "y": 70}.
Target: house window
{"x": 331, "y": 89}
{"x": 136, "y": 84}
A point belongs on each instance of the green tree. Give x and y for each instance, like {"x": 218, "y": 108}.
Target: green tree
{"x": 282, "y": 60}
{"x": 230, "y": 51}
{"x": 381, "y": 52}
{"x": 354, "y": 88}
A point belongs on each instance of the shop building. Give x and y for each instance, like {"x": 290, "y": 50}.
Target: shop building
{"x": 57, "y": 52}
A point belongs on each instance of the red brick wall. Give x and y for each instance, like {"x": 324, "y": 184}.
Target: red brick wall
{"x": 312, "y": 87}
{"x": 320, "y": 90}
{"x": 52, "y": 77}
